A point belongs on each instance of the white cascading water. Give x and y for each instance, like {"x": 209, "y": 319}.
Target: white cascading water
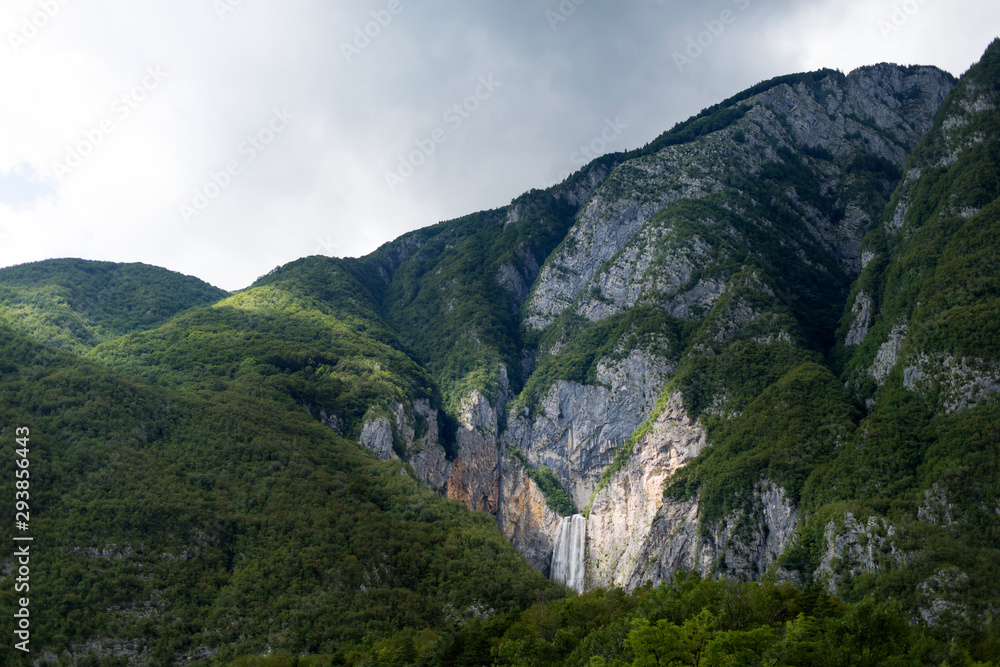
{"x": 569, "y": 555}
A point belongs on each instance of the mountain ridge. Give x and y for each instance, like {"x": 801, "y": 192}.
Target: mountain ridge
{"x": 661, "y": 342}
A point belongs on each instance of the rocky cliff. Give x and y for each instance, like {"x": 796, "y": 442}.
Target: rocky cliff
{"x": 675, "y": 231}
{"x": 845, "y": 133}
{"x": 578, "y": 426}
{"x": 665, "y": 320}
{"x": 622, "y": 514}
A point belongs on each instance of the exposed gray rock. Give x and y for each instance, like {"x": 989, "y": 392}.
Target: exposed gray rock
{"x": 751, "y": 541}
{"x": 862, "y": 311}
{"x": 110, "y": 647}
{"x": 911, "y": 377}
{"x": 854, "y": 547}
{"x": 580, "y": 426}
{"x": 622, "y": 514}
{"x": 888, "y": 353}
{"x": 936, "y": 508}
{"x": 475, "y": 472}
{"x": 118, "y": 552}
{"x": 943, "y": 596}
{"x": 580, "y": 190}
{"x": 743, "y": 545}
{"x": 737, "y": 313}
{"x": 962, "y": 383}
{"x": 425, "y": 453}
{"x": 376, "y": 437}
{"x": 510, "y": 279}
{"x": 607, "y": 262}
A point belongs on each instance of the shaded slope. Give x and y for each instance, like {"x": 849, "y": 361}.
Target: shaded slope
{"x": 902, "y": 501}
{"x": 920, "y": 347}
{"x": 927, "y": 301}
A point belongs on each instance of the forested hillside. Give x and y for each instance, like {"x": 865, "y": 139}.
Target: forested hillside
{"x": 197, "y": 510}
{"x": 75, "y": 304}
{"x": 757, "y": 359}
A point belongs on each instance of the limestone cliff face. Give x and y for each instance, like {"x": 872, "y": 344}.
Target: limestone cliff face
{"x": 856, "y": 547}
{"x": 624, "y": 250}
{"x": 664, "y": 231}
{"x": 376, "y": 437}
{"x": 623, "y": 512}
{"x": 580, "y": 425}
{"x": 524, "y": 517}
{"x": 743, "y": 545}
{"x": 475, "y": 474}
{"x": 636, "y": 536}
{"x": 425, "y": 452}
{"x": 482, "y": 474}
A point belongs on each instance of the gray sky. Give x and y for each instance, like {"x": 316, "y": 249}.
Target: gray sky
{"x": 222, "y": 138}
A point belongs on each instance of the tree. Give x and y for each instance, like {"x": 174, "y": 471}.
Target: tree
{"x": 659, "y": 645}
{"x": 698, "y": 631}
{"x": 742, "y": 648}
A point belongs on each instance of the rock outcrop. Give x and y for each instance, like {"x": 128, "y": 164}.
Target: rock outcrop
{"x": 743, "y": 545}
{"x": 622, "y": 513}
{"x": 579, "y": 426}
{"x": 636, "y": 536}
{"x": 524, "y": 517}
{"x": 624, "y": 248}
{"x": 856, "y": 547}
{"x": 376, "y": 437}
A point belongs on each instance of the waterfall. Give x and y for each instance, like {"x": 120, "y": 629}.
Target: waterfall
{"x": 569, "y": 555}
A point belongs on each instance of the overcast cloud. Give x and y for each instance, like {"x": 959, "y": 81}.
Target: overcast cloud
{"x": 221, "y": 138}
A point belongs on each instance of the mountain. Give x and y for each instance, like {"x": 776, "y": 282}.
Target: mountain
{"x": 197, "y": 515}
{"x": 758, "y": 348}
{"x": 76, "y": 304}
